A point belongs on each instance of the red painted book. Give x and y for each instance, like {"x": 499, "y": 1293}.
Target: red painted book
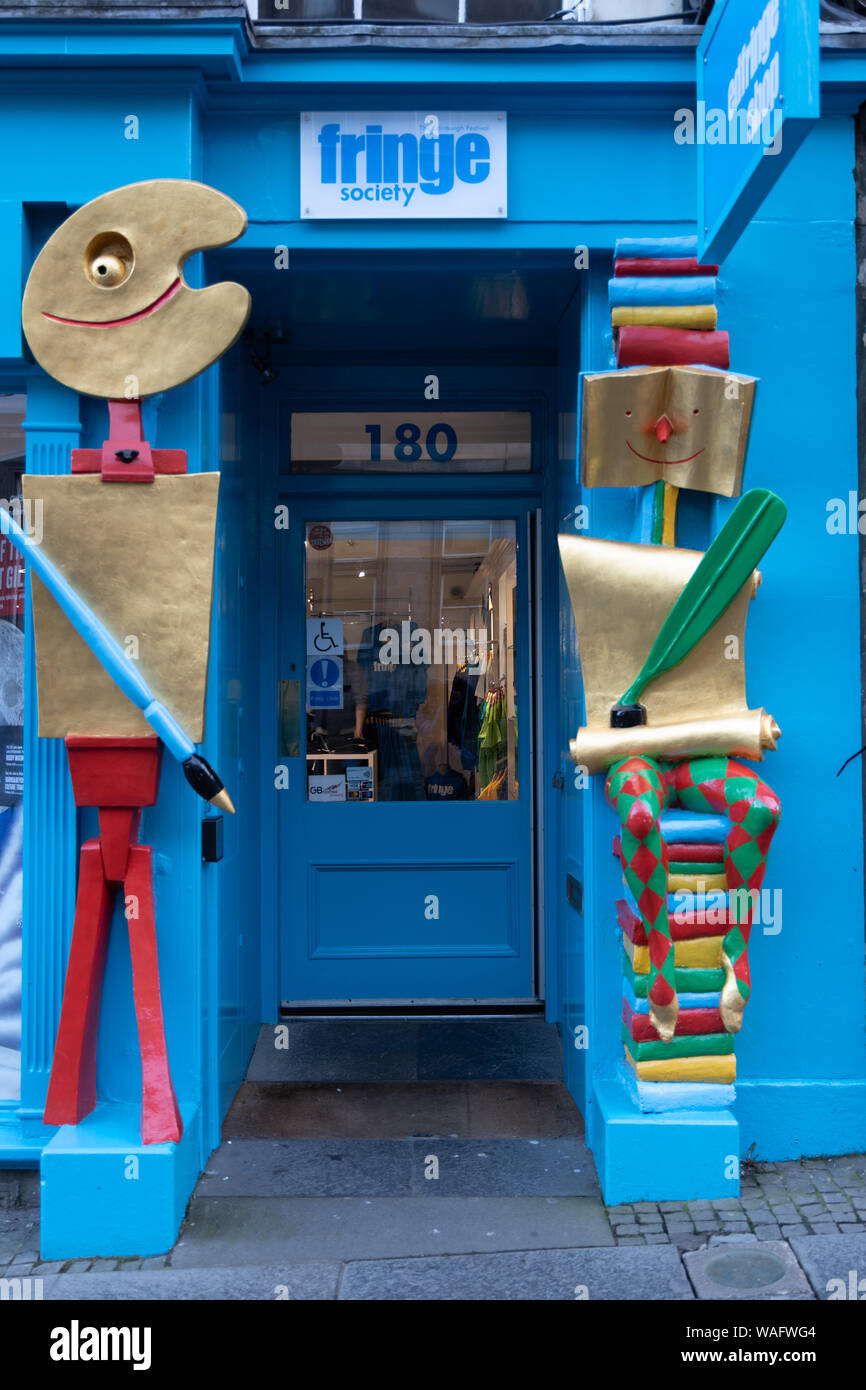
{"x": 645, "y": 265}
{"x": 639, "y": 345}
{"x": 696, "y": 854}
{"x": 685, "y": 930}
{"x": 689, "y": 1021}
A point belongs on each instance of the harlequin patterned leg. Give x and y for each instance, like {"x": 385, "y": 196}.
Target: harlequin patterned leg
{"x": 636, "y": 789}
{"x": 721, "y": 785}
{"x": 72, "y": 1085}
{"x": 160, "y": 1117}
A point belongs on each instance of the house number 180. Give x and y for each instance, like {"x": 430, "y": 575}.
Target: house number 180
{"x": 440, "y": 442}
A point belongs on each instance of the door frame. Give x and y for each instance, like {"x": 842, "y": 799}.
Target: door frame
{"x": 527, "y": 493}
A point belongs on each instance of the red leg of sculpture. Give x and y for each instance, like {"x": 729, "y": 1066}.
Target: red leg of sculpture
{"x": 160, "y": 1117}
{"x": 72, "y": 1085}
{"x": 119, "y": 776}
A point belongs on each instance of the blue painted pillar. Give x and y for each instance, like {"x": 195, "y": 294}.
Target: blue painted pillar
{"x": 639, "y": 1156}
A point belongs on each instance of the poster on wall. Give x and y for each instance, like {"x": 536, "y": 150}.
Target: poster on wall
{"x": 400, "y": 165}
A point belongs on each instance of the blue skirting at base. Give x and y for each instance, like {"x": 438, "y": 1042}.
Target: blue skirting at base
{"x": 129, "y": 1197}
{"x": 676, "y": 1156}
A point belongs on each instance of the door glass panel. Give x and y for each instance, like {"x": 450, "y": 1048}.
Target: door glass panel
{"x": 463, "y": 441}
{"x": 410, "y": 666}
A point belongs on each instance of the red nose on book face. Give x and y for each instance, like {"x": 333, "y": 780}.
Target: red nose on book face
{"x": 663, "y": 429}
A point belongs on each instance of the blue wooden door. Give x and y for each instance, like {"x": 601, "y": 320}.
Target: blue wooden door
{"x": 406, "y": 831}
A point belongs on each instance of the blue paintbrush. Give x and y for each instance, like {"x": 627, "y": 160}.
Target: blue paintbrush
{"x": 122, "y": 670}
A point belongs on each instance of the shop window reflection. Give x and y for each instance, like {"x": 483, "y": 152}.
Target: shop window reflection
{"x": 410, "y": 689}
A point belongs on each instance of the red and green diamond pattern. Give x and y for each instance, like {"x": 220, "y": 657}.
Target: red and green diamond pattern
{"x": 639, "y": 788}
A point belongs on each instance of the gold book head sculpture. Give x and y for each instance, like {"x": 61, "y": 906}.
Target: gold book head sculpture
{"x": 686, "y": 425}
{"x": 106, "y": 309}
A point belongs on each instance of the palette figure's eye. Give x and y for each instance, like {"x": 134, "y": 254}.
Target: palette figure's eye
{"x": 108, "y": 260}
{"x": 696, "y": 411}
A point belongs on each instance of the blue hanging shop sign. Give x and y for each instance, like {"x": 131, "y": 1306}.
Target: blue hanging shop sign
{"x": 758, "y": 97}
{"x": 399, "y": 165}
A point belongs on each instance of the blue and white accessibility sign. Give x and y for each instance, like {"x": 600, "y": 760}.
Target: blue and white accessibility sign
{"x": 324, "y": 637}
{"x": 325, "y": 682}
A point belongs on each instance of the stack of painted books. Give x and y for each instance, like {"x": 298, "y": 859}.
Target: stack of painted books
{"x": 701, "y": 1052}
{"x": 662, "y": 305}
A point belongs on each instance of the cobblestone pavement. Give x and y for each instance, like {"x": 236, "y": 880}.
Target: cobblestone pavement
{"x": 810, "y": 1196}
{"x": 813, "y": 1196}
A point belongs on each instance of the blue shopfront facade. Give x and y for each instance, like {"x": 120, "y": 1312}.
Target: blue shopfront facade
{"x": 413, "y": 331}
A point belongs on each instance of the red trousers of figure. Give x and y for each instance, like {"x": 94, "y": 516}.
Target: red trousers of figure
{"x": 119, "y": 776}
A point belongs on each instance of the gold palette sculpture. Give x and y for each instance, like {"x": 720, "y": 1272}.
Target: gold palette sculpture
{"x": 695, "y": 823}
{"x": 107, "y": 312}
{"x": 106, "y": 309}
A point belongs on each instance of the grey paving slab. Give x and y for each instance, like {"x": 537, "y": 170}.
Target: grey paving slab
{"x": 507, "y": 1049}
{"x": 393, "y": 1168}
{"x": 636, "y": 1273}
{"x": 830, "y": 1259}
{"x": 506, "y": 1168}
{"x": 267, "y": 1230}
{"x": 337, "y": 1050}
{"x": 761, "y": 1270}
{"x": 314, "y": 1281}
{"x": 309, "y": 1168}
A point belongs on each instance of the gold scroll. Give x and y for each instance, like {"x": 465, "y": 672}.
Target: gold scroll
{"x": 621, "y": 594}
{"x": 141, "y": 555}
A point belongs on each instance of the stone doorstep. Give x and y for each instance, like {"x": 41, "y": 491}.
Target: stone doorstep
{"x": 566, "y": 1274}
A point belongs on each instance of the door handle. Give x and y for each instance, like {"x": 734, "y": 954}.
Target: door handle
{"x": 289, "y": 697}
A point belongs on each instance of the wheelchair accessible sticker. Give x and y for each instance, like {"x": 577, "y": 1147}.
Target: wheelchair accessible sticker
{"x": 324, "y": 637}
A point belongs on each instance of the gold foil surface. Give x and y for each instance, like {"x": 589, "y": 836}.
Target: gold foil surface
{"x": 141, "y": 555}
{"x": 621, "y": 594}
{"x": 122, "y": 341}
{"x": 739, "y": 736}
{"x": 709, "y": 413}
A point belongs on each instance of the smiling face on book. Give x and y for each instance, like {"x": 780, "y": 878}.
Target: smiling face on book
{"x": 686, "y": 425}
{"x": 106, "y": 309}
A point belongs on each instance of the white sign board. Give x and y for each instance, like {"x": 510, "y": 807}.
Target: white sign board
{"x": 410, "y": 441}
{"x": 400, "y": 165}
{"x": 324, "y": 637}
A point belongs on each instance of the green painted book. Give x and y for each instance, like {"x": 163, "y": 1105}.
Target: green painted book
{"x": 687, "y": 981}
{"x": 689, "y": 1045}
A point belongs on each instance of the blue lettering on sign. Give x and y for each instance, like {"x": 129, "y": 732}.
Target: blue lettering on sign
{"x": 393, "y": 167}
{"x": 440, "y": 442}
